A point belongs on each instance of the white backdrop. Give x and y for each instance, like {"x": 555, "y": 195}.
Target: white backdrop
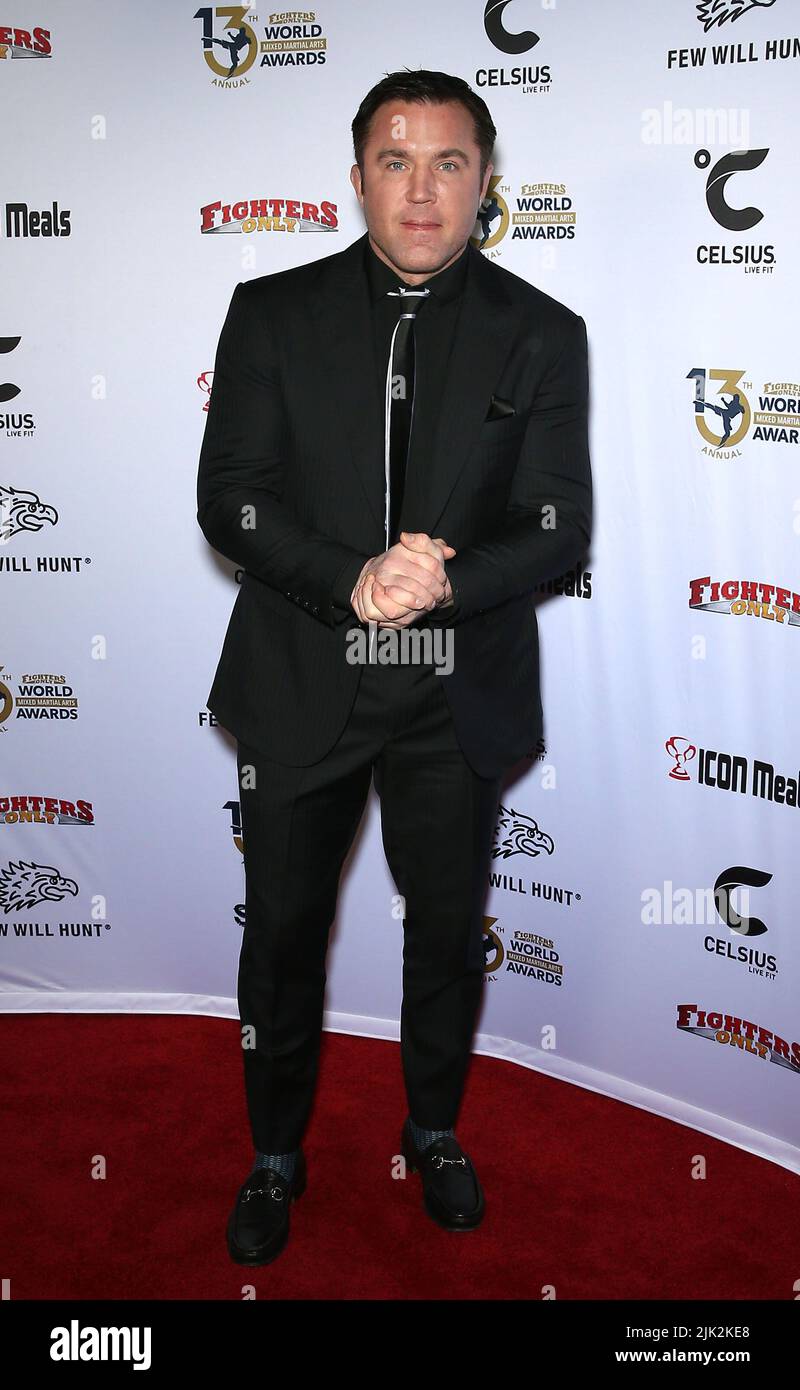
{"x": 121, "y": 879}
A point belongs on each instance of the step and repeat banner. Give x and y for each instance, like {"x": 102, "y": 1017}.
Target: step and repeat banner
{"x": 641, "y": 926}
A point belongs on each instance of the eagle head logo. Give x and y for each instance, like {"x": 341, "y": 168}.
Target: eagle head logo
{"x": 711, "y": 12}
{"x": 22, "y": 511}
{"x": 515, "y": 833}
{"x": 23, "y": 885}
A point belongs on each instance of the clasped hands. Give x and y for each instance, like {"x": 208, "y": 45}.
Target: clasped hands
{"x": 405, "y": 581}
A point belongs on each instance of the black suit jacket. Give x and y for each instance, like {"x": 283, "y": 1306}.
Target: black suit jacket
{"x": 291, "y": 488}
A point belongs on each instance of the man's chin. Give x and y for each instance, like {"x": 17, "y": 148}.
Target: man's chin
{"x": 427, "y": 257}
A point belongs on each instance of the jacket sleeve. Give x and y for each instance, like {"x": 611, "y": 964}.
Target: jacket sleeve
{"x": 547, "y": 523}
{"x": 240, "y": 476}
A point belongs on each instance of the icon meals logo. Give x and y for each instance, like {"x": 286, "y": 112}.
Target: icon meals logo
{"x": 22, "y": 221}
{"x": 729, "y": 772}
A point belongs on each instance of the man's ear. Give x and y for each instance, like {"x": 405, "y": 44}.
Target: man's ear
{"x": 355, "y": 179}
{"x": 486, "y": 178}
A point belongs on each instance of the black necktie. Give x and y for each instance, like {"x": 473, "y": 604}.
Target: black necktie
{"x": 399, "y": 402}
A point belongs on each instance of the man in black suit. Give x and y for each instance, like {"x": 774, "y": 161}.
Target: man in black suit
{"x": 396, "y": 450}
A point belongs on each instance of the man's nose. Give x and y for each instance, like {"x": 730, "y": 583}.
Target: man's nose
{"x": 422, "y": 188}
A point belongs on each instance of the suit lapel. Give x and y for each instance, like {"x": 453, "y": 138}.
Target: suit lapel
{"x": 341, "y": 314}
{"x": 486, "y": 326}
{"x": 341, "y": 318}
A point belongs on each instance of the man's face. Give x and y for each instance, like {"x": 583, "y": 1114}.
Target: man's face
{"x": 421, "y": 187}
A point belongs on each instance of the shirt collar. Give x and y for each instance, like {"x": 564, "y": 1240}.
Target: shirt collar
{"x": 446, "y": 284}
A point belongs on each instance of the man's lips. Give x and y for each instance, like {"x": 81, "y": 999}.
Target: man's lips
{"x": 421, "y": 226}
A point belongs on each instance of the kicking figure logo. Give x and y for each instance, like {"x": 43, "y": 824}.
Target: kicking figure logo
{"x": 241, "y": 45}
{"x": 737, "y": 408}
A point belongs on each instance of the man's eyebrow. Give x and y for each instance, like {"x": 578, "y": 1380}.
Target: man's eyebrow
{"x": 403, "y": 154}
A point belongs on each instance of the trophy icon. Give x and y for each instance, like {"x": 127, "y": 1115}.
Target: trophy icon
{"x": 682, "y": 751}
{"x": 204, "y": 382}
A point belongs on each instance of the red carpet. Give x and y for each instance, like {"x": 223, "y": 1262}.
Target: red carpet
{"x": 583, "y": 1193}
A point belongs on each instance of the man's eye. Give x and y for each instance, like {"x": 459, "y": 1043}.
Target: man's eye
{"x": 395, "y": 163}
{"x": 452, "y": 164}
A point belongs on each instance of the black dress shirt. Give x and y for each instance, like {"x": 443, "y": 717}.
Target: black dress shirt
{"x": 434, "y": 331}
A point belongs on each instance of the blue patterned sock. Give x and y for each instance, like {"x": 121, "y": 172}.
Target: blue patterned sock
{"x": 283, "y": 1163}
{"x": 423, "y": 1137}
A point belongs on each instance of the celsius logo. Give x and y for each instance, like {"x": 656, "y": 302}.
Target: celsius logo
{"x": 728, "y": 881}
{"x": 15, "y": 425}
{"x": 734, "y": 219}
{"x": 739, "y": 877}
{"x": 711, "y": 12}
{"x": 500, "y": 36}
{"x": 7, "y": 388}
{"x": 515, "y": 833}
{"x": 23, "y": 885}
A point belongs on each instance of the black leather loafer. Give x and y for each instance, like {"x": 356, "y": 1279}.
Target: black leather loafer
{"x": 451, "y": 1192}
{"x": 258, "y": 1227}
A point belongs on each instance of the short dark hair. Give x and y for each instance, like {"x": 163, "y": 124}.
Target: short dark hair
{"x": 422, "y": 85}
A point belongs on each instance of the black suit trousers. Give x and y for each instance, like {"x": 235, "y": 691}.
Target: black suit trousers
{"x": 298, "y": 823}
